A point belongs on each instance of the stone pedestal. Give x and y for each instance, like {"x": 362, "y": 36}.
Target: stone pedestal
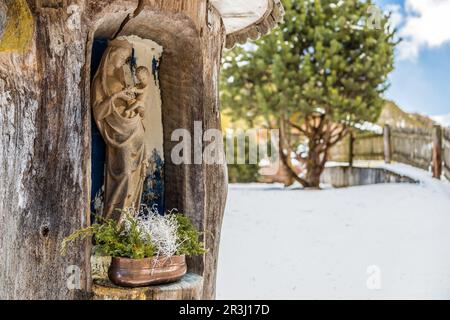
{"x": 188, "y": 288}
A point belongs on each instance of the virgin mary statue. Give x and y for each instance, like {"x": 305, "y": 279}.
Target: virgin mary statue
{"x": 126, "y": 154}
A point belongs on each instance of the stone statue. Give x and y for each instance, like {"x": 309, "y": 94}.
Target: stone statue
{"x": 138, "y": 106}
{"x": 119, "y": 111}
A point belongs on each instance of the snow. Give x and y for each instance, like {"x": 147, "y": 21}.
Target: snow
{"x": 337, "y": 243}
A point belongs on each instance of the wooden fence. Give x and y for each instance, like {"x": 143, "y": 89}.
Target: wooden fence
{"x": 413, "y": 147}
{"x": 425, "y": 149}
{"x": 446, "y": 153}
{"x": 341, "y": 151}
{"x": 366, "y": 146}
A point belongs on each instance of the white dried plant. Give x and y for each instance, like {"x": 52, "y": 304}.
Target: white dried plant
{"x": 162, "y": 231}
{"x": 98, "y": 202}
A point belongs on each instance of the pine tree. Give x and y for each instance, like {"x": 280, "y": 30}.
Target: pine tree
{"x": 320, "y": 74}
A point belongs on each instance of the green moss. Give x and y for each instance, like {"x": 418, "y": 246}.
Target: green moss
{"x": 189, "y": 237}
{"x": 19, "y": 27}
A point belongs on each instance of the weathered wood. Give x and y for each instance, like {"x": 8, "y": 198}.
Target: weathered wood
{"x": 216, "y": 182}
{"x": 190, "y": 287}
{"x": 446, "y": 152}
{"x": 412, "y": 146}
{"x": 369, "y": 146}
{"x": 340, "y": 151}
{"x": 351, "y": 142}
{"x": 15, "y": 36}
{"x": 366, "y": 146}
{"x": 44, "y": 184}
{"x": 3, "y": 18}
{"x": 387, "y": 144}
{"x": 45, "y": 134}
{"x": 437, "y": 152}
{"x": 189, "y": 86}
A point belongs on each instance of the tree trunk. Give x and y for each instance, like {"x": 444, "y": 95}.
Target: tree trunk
{"x": 314, "y": 169}
{"x": 216, "y": 184}
{"x": 45, "y": 119}
{"x": 45, "y": 159}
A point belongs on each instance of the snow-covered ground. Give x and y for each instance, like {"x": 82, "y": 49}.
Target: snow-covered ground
{"x": 337, "y": 243}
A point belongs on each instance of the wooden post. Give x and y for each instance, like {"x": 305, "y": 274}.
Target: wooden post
{"x": 190, "y": 287}
{"x": 387, "y": 144}
{"x": 45, "y": 124}
{"x": 350, "y": 149}
{"x": 437, "y": 152}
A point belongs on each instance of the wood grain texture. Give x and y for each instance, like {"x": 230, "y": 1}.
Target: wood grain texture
{"x": 410, "y": 146}
{"x": 3, "y": 18}
{"x": 446, "y": 152}
{"x": 437, "y": 152}
{"x": 16, "y": 26}
{"x": 367, "y": 146}
{"x": 413, "y": 147}
{"x": 190, "y": 287}
{"x": 45, "y": 135}
{"x": 44, "y": 155}
{"x": 387, "y": 143}
{"x": 216, "y": 181}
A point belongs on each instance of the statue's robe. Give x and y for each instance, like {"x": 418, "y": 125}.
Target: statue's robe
{"x": 126, "y": 154}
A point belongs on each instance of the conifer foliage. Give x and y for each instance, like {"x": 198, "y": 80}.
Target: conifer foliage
{"x": 320, "y": 74}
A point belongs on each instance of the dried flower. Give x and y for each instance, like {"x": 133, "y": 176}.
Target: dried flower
{"x": 163, "y": 230}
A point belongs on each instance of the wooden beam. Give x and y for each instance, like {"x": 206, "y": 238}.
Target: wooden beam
{"x": 437, "y": 152}
{"x": 387, "y": 144}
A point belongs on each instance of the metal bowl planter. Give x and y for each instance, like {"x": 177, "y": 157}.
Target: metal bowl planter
{"x": 133, "y": 273}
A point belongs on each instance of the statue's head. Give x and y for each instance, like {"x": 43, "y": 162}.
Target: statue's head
{"x": 121, "y": 51}
{"x": 143, "y": 75}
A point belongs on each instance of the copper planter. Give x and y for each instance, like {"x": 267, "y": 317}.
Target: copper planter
{"x": 144, "y": 272}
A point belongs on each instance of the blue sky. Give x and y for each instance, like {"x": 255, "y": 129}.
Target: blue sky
{"x": 421, "y": 80}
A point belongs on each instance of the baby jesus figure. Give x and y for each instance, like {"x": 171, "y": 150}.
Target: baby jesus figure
{"x": 137, "y": 106}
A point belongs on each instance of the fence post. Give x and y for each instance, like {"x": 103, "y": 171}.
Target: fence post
{"x": 437, "y": 152}
{"x": 387, "y": 144}
{"x": 350, "y": 149}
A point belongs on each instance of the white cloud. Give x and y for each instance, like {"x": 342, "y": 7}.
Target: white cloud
{"x": 443, "y": 120}
{"x": 426, "y": 24}
{"x": 396, "y": 15}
